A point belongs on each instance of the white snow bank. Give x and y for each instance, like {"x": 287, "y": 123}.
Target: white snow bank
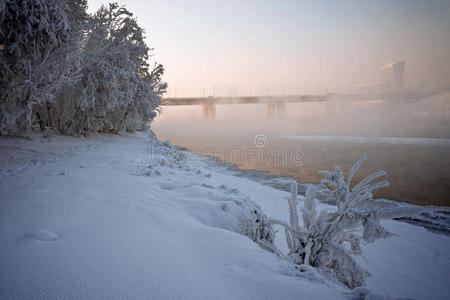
{"x": 105, "y": 218}
{"x": 414, "y": 263}
{"x": 107, "y": 230}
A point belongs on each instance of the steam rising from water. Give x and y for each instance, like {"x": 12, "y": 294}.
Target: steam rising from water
{"x": 410, "y": 138}
{"x": 341, "y": 116}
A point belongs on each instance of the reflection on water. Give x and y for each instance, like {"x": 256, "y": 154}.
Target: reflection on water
{"x": 409, "y": 140}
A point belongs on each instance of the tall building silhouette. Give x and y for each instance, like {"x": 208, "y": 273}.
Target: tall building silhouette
{"x": 398, "y": 69}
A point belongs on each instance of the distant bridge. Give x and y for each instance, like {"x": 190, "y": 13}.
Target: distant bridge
{"x": 275, "y": 104}
{"x": 244, "y": 100}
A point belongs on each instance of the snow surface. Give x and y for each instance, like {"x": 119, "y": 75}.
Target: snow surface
{"x": 105, "y": 217}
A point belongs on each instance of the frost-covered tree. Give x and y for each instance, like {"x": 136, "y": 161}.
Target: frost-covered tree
{"x": 330, "y": 239}
{"x": 117, "y": 90}
{"x": 73, "y": 72}
{"x": 36, "y": 58}
{"x": 154, "y": 78}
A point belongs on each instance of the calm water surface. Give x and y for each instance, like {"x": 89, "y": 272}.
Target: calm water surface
{"x": 409, "y": 141}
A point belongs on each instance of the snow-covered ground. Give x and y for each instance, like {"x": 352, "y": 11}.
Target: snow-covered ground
{"x": 108, "y": 217}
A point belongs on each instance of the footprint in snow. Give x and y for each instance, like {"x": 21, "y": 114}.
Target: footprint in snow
{"x": 167, "y": 186}
{"x": 41, "y": 235}
{"x": 229, "y": 190}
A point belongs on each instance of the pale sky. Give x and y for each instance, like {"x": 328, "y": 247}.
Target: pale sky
{"x": 286, "y": 47}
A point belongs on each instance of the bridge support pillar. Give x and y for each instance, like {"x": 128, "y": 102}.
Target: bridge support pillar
{"x": 209, "y": 111}
{"x": 275, "y": 108}
{"x": 281, "y": 107}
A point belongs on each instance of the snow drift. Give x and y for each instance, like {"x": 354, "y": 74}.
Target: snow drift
{"x": 104, "y": 217}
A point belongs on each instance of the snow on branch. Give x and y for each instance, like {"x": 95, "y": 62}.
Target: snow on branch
{"x": 329, "y": 239}
{"x": 72, "y": 72}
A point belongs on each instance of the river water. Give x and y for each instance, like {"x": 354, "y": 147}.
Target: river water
{"x": 409, "y": 140}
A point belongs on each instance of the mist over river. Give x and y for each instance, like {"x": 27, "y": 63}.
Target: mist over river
{"x": 408, "y": 139}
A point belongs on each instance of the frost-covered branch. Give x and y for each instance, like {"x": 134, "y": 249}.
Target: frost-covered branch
{"x": 73, "y": 72}
{"x": 327, "y": 239}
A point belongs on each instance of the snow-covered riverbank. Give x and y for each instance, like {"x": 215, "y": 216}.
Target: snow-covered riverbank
{"x": 109, "y": 217}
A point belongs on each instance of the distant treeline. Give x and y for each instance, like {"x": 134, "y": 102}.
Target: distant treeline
{"x": 66, "y": 71}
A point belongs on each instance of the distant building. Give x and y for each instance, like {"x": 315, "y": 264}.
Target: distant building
{"x": 398, "y": 76}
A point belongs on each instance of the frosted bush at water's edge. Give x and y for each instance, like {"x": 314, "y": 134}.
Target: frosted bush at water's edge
{"x": 329, "y": 239}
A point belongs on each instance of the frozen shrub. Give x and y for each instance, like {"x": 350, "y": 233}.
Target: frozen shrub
{"x": 164, "y": 153}
{"x": 257, "y": 227}
{"x": 329, "y": 239}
